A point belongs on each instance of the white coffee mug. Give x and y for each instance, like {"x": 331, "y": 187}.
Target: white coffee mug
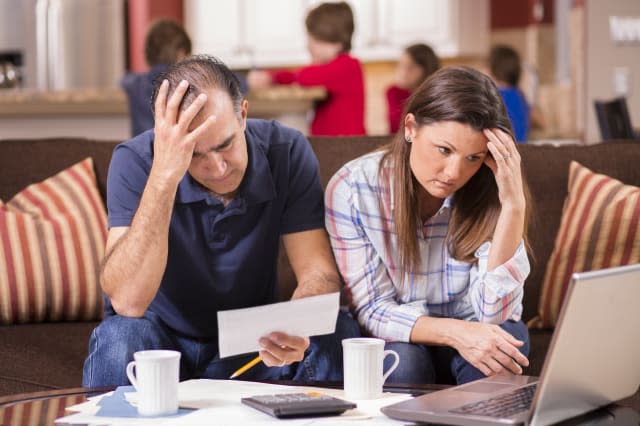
{"x": 157, "y": 373}
{"x": 363, "y": 367}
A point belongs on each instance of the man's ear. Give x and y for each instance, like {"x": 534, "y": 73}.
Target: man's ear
{"x": 244, "y": 109}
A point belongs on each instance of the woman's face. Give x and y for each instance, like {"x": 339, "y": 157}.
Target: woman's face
{"x": 444, "y": 155}
{"x": 408, "y": 73}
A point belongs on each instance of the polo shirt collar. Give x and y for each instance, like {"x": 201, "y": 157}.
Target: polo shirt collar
{"x": 257, "y": 185}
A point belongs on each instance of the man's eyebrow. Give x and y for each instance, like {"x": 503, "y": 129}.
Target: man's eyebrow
{"x": 218, "y": 147}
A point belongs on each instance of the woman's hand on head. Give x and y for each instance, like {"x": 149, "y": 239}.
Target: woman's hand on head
{"x": 504, "y": 162}
{"x": 489, "y": 348}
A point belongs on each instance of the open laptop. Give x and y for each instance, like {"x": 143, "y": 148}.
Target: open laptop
{"x": 593, "y": 360}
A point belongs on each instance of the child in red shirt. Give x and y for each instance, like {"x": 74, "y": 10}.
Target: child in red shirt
{"x": 417, "y": 62}
{"x": 329, "y": 28}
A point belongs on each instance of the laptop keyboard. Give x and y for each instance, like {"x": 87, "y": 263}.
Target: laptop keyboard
{"x": 502, "y": 406}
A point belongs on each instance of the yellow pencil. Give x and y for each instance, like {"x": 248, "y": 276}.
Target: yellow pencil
{"x": 245, "y": 367}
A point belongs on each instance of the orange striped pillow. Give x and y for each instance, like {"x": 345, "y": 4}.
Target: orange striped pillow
{"x": 600, "y": 228}
{"x": 52, "y": 238}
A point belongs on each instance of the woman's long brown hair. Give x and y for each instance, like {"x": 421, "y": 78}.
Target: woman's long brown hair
{"x": 466, "y": 96}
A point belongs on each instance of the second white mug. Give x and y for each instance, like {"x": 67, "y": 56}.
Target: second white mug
{"x": 363, "y": 367}
{"x": 157, "y": 373}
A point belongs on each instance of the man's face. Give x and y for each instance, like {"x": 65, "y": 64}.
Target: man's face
{"x": 220, "y": 156}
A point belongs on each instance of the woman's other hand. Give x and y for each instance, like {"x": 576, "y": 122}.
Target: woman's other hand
{"x": 489, "y": 348}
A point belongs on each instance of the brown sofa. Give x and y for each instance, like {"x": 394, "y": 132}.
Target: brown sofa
{"x": 50, "y": 355}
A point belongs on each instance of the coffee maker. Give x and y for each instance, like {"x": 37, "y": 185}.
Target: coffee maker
{"x": 10, "y": 69}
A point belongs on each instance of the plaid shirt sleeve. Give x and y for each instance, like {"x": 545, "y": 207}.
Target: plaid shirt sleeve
{"x": 352, "y": 229}
{"x": 496, "y": 296}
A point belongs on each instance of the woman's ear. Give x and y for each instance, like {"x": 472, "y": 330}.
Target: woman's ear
{"x": 410, "y": 126}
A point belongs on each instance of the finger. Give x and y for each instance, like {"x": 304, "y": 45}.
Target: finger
{"x": 494, "y": 366}
{"x": 293, "y": 342}
{"x": 508, "y": 142}
{"x": 271, "y": 360}
{"x": 508, "y": 363}
{"x": 199, "y": 131}
{"x": 174, "y": 101}
{"x": 192, "y": 110}
{"x": 498, "y": 156}
{"x": 484, "y": 368}
{"x": 161, "y": 98}
{"x": 491, "y": 163}
{"x": 277, "y": 350}
{"x": 514, "y": 353}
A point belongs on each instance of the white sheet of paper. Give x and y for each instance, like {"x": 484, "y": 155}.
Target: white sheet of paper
{"x": 240, "y": 329}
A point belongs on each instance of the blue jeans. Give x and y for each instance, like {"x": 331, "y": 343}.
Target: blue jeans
{"x": 442, "y": 364}
{"x": 116, "y": 338}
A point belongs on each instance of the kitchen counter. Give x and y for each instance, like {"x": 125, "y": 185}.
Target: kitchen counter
{"x": 266, "y": 102}
{"x": 103, "y": 114}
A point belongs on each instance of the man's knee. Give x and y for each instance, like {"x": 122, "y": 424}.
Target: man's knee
{"x": 112, "y": 345}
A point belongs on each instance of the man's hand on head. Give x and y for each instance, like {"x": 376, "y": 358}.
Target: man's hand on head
{"x": 174, "y": 144}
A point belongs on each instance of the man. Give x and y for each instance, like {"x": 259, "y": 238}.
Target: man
{"x": 196, "y": 211}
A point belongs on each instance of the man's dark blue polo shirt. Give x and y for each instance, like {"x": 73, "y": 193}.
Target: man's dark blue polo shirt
{"x": 223, "y": 258}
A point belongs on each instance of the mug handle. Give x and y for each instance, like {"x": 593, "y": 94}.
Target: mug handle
{"x": 130, "y": 375}
{"x": 395, "y": 363}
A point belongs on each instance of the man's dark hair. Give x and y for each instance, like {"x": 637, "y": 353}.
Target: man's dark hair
{"x": 504, "y": 62}
{"x": 166, "y": 42}
{"x": 203, "y": 72}
{"x": 332, "y": 23}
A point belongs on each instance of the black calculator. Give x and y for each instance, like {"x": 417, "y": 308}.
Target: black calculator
{"x": 308, "y": 404}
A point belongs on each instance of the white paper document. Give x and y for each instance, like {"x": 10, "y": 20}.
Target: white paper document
{"x": 240, "y": 329}
{"x": 217, "y": 402}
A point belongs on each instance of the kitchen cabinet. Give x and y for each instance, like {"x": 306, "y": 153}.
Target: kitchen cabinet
{"x": 249, "y": 33}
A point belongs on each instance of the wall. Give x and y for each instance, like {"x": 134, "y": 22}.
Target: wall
{"x": 602, "y": 56}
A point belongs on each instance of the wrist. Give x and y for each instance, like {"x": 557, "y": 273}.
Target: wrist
{"x": 163, "y": 180}
{"x": 514, "y": 207}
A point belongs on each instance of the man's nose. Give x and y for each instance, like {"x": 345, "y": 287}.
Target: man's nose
{"x": 217, "y": 164}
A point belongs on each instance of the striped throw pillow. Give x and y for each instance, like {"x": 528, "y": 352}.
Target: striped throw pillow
{"x": 52, "y": 238}
{"x": 600, "y": 228}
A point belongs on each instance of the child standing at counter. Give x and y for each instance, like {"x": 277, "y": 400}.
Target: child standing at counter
{"x": 330, "y": 27}
{"x": 416, "y": 63}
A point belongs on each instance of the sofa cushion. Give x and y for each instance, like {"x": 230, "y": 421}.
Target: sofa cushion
{"x": 52, "y": 238}
{"x": 599, "y": 228}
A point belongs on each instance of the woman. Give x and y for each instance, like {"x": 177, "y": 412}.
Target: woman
{"x": 416, "y": 63}
{"x": 429, "y": 235}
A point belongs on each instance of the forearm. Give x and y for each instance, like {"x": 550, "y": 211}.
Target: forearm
{"x": 507, "y": 235}
{"x": 134, "y": 267}
{"x": 435, "y": 331}
{"x": 315, "y": 283}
